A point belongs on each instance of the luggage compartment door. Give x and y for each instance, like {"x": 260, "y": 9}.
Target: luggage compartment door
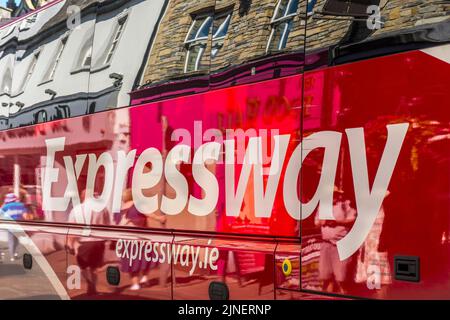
{"x": 132, "y": 261}
{"x": 41, "y": 249}
{"x": 222, "y": 268}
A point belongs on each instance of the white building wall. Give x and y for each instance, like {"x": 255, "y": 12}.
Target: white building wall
{"x": 42, "y": 17}
{"x": 6, "y": 65}
{"x": 65, "y": 82}
{"x": 129, "y": 55}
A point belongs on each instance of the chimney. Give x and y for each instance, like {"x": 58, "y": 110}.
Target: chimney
{"x": 11, "y": 4}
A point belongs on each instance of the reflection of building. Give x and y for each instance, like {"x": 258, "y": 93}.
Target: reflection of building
{"x": 329, "y": 24}
{"x": 234, "y": 41}
{"x": 54, "y": 68}
{"x": 26, "y": 6}
{"x": 43, "y": 85}
{"x": 123, "y": 32}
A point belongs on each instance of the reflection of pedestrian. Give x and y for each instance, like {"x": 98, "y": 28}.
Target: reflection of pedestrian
{"x": 12, "y": 209}
{"x": 88, "y": 251}
{"x": 131, "y": 217}
{"x": 330, "y": 265}
{"x": 372, "y": 266}
{"x": 25, "y": 198}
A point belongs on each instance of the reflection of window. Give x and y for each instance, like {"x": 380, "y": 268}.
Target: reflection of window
{"x": 84, "y": 58}
{"x": 54, "y": 63}
{"x": 114, "y": 41}
{"x": 87, "y": 58}
{"x": 196, "y": 42}
{"x": 62, "y": 112}
{"x": 310, "y": 7}
{"x": 282, "y": 23}
{"x": 31, "y": 68}
{"x": 40, "y": 116}
{"x": 6, "y": 82}
{"x": 197, "y": 38}
{"x": 92, "y": 108}
{"x": 220, "y": 29}
{"x": 28, "y": 22}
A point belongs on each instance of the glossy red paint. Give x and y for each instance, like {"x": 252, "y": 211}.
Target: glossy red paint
{"x": 414, "y": 219}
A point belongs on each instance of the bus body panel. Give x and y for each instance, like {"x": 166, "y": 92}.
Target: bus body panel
{"x": 222, "y": 149}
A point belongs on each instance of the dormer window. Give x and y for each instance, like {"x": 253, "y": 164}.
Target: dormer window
{"x": 310, "y": 7}
{"x": 40, "y": 117}
{"x": 83, "y": 59}
{"x": 56, "y": 59}
{"x": 31, "y": 67}
{"x": 87, "y": 58}
{"x": 220, "y": 30}
{"x": 114, "y": 41}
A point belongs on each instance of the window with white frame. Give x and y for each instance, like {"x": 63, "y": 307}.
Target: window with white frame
{"x": 57, "y": 58}
{"x": 220, "y": 30}
{"x": 87, "y": 57}
{"x": 282, "y": 23}
{"x": 83, "y": 58}
{"x": 31, "y": 68}
{"x": 114, "y": 41}
{"x": 196, "y": 41}
{"x": 6, "y": 82}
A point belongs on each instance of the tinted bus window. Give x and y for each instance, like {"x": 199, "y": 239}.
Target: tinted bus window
{"x": 368, "y": 86}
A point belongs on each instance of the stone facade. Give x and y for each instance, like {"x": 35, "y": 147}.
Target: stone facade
{"x": 168, "y": 52}
{"x": 250, "y": 29}
{"x": 246, "y": 40}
